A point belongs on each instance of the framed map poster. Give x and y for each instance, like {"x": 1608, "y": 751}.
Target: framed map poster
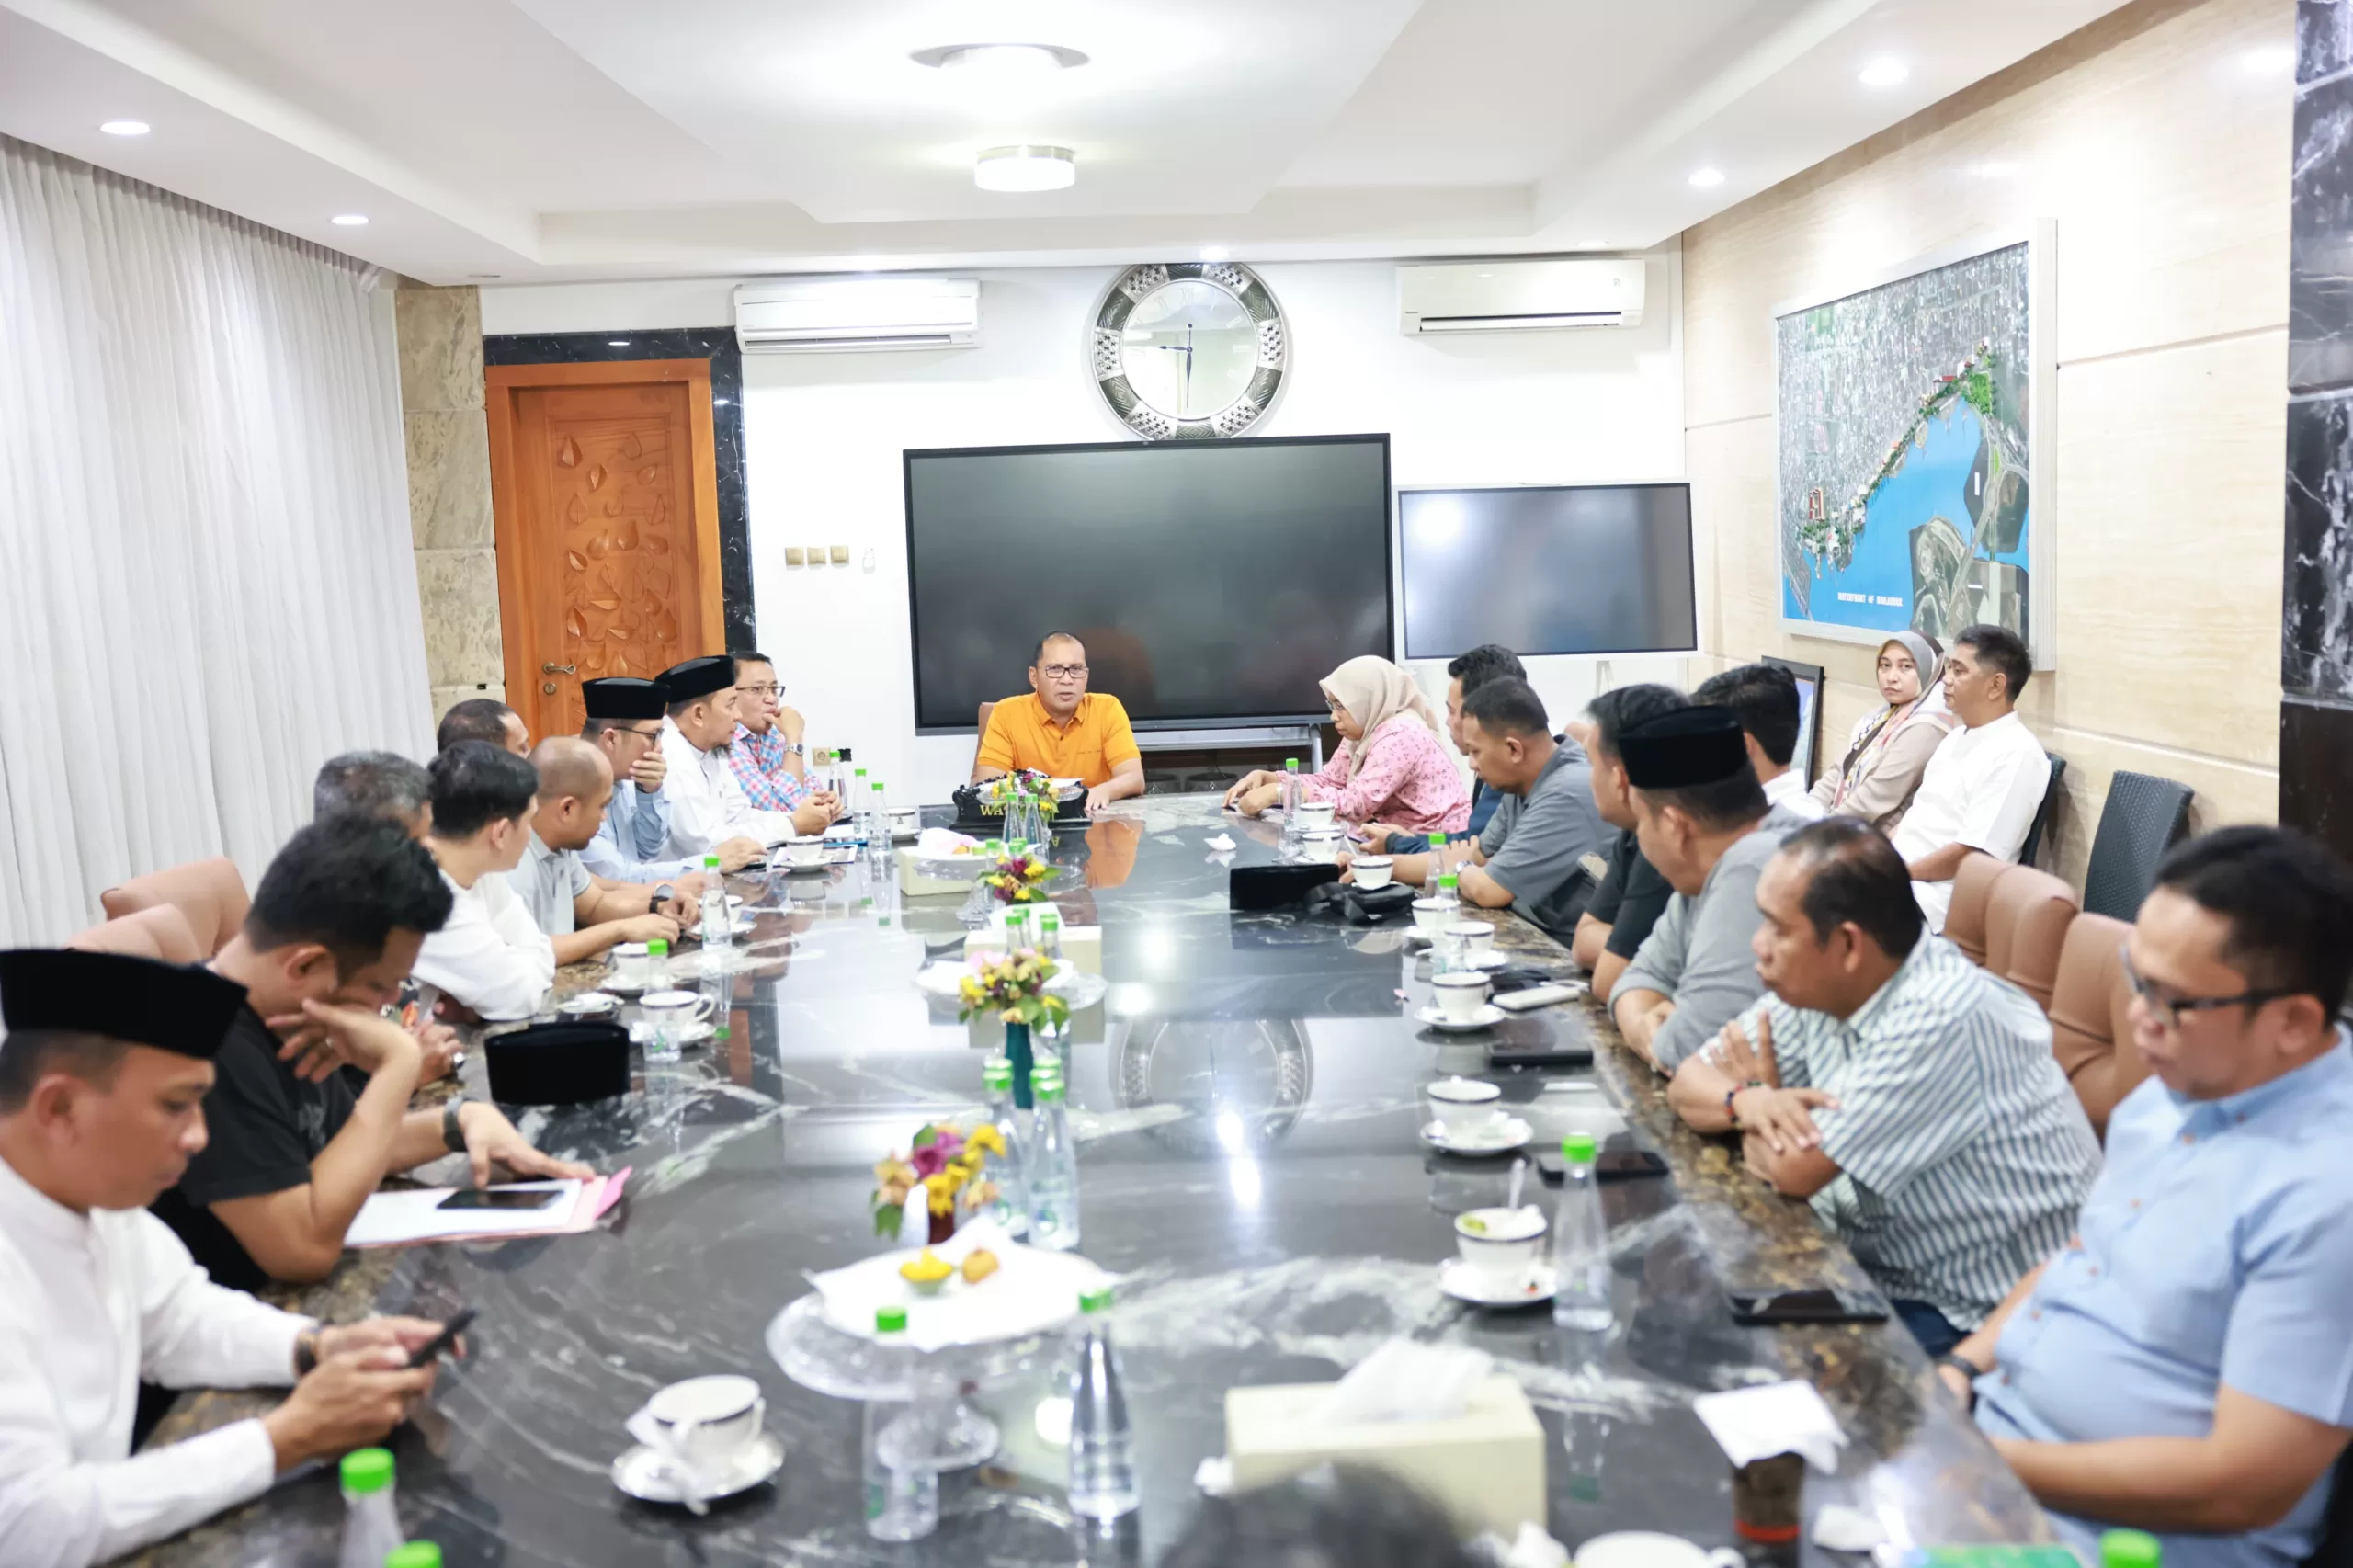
{"x": 1915, "y": 464}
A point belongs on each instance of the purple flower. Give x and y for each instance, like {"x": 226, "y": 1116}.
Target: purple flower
{"x": 929, "y": 1159}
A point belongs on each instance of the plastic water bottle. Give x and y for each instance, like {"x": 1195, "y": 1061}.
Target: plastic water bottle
{"x": 878, "y": 828}
{"x": 1580, "y": 1244}
{"x": 718, "y": 925}
{"x": 371, "y": 1525}
{"x": 1449, "y": 888}
{"x": 657, "y": 959}
{"x": 1291, "y": 799}
{"x": 854, "y": 802}
{"x": 1049, "y": 933}
{"x": 1011, "y": 1173}
{"x": 1053, "y": 1167}
{"x": 416, "y": 1554}
{"x": 1102, "y": 1448}
{"x": 902, "y": 1499}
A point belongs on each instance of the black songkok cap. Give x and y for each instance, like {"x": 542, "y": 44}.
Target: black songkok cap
{"x": 698, "y": 677}
{"x": 186, "y": 1010}
{"x": 623, "y": 697}
{"x": 1686, "y": 746}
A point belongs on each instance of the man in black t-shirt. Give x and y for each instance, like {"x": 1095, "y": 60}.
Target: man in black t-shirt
{"x": 294, "y": 1148}
{"x": 1632, "y": 895}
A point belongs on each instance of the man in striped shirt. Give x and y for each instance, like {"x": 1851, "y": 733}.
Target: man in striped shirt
{"x": 1911, "y": 1095}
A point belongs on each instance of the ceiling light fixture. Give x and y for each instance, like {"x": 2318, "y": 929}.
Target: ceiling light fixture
{"x": 1704, "y": 178}
{"x": 349, "y": 219}
{"x": 1000, "y": 60}
{"x": 1026, "y": 168}
{"x": 125, "y": 128}
{"x": 1885, "y": 72}
{"x": 2269, "y": 59}
{"x": 1214, "y": 253}
{"x": 617, "y": 343}
{"x": 1593, "y": 244}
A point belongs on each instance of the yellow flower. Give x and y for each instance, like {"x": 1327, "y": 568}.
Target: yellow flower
{"x": 986, "y": 1137}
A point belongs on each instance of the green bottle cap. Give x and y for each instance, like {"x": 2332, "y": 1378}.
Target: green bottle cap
{"x": 657, "y": 948}
{"x": 878, "y": 785}
{"x": 997, "y": 1076}
{"x": 1047, "y": 1087}
{"x": 1438, "y": 841}
{"x": 416, "y": 1554}
{"x": 1049, "y": 921}
{"x": 1577, "y": 1148}
{"x": 1095, "y": 1300}
{"x": 710, "y": 862}
{"x": 1290, "y": 764}
{"x": 890, "y": 1319}
{"x": 2128, "y": 1548}
{"x": 1450, "y": 882}
{"x": 1017, "y": 847}
{"x": 861, "y": 773}
{"x": 994, "y": 846}
{"x": 367, "y": 1470}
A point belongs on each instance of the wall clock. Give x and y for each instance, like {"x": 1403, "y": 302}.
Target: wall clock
{"x": 1190, "y": 350}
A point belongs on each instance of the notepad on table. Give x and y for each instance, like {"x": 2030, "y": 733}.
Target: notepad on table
{"x": 414, "y": 1214}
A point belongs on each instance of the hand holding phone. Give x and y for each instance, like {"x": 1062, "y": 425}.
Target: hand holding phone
{"x": 426, "y": 1353}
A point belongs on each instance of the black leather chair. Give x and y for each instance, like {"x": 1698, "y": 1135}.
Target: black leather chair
{"x": 2335, "y": 1547}
{"x": 2042, "y": 813}
{"x": 2145, "y": 817}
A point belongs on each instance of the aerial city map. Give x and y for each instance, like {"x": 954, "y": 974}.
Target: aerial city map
{"x": 1904, "y": 475}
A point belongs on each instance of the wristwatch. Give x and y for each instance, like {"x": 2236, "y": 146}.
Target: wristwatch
{"x": 306, "y": 1353}
{"x": 796, "y": 748}
{"x": 453, "y": 1132}
{"x": 1970, "y": 1370}
{"x": 661, "y": 895}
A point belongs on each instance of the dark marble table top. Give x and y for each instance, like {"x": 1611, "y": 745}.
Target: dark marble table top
{"x": 1248, "y": 1098}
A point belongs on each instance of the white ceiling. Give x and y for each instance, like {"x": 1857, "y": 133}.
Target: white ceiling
{"x": 538, "y": 139}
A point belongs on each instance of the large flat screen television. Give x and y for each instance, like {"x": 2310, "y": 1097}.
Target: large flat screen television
{"x": 1213, "y": 583}
{"x": 1548, "y": 569}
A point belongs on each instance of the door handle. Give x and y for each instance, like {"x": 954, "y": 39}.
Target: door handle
{"x": 555, "y": 669}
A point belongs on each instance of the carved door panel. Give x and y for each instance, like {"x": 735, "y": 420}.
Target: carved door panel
{"x": 608, "y": 526}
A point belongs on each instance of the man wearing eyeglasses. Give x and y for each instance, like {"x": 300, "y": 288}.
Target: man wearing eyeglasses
{"x": 1062, "y": 730}
{"x": 2185, "y": 1364}
{"x": 768, "y": 756}
{"x": 625, "y": 723}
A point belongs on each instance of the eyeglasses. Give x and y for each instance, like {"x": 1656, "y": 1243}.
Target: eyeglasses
{"x": 1062, "y": 672}
{"x": 652, "y": 734}
{"x": 770, "y": 691}
{"x": 2167, "y": 1010}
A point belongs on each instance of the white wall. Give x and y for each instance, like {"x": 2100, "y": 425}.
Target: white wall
{"x": 824, "y": 434}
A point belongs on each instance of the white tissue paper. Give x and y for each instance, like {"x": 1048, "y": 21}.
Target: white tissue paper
{"x": 1214, "y": 1476}
{"x": 1221, "y": 842}
{"x": 1838, "y": 1528}
{"x": 1529, "y": 1549}
{"x": 1754, "y": 1423}
{"x": 1405, "y": 1382}
{"x": 940, "y": 843}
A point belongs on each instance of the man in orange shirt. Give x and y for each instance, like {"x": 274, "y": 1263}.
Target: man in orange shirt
{"x": 1062, "y": 730}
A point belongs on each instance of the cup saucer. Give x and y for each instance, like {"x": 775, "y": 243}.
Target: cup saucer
{"x": 1484, "y": 1287}
{"x": 1497, "y": 1137}
{"x": 1490, "y": 960}
{"x": 620, "y": 986}
{"x": 1487, "y": 1016}
{"x": 641, "y": 1474}
{"x": 641, "y": 1032}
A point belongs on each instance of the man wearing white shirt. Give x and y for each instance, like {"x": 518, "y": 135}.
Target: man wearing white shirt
{"x": 492, "y": 958}
{"x": 102, "y": 1080}
{"x": 633, "y": 843}
{"x": 1985, "y": 782}
{"x": 707, "y": 806}
{"x": 1765, "y": 697}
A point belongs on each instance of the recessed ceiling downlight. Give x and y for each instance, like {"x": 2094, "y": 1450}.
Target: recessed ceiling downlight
{"x": 125, "y": 126}
{"x": 1000, "y": 59}
{"x": 1026, "y": 168}
{"x": 349, "y": 219}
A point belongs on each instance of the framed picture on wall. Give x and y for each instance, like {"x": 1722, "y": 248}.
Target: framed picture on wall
{"x": 1807, "y": 759}
{"x": 1914, "y": 415}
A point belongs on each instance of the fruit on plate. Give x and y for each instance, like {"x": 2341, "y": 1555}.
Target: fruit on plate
{"x": 979, "y": 1264}
{"x": 925, "y": 1271}
{"x": 1475, "y": 1226}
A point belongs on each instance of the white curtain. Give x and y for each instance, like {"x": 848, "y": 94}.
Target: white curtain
{"x": 205, "y": 579}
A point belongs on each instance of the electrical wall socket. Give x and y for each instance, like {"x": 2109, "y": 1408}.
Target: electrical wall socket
{"x": 816, "y": 555}
{"x": 793, "y": 556}
{"x": 841, "y": 556}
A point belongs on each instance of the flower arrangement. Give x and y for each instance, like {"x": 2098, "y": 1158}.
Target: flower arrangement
{"x": 947, "y": 1163}
{"x": 1019, "y": 879}
{"x": 1014, "y": 988}
{"x": 1023, "y": 785}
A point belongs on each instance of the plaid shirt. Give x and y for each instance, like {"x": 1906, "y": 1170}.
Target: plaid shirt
{"x": 758, "y": 764}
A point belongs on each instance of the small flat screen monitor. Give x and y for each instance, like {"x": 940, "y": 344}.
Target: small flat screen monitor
{"x": 1548, "y": 569}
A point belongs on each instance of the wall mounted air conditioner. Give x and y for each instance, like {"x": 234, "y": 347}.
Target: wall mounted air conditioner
{"x": 1505, "y": 295}
{"x": 849, "y": 314}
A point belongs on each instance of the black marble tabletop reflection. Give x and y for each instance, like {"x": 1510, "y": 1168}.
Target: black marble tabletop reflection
{"x": 1248, "y": 1096}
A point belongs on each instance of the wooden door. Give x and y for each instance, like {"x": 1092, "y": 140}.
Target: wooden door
{"x": 606, "y": 500}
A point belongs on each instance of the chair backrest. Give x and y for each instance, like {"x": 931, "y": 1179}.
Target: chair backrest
{"x": 2335, "y": 1547}
{"x": 980, "y": 738}
{"x": 210, "y": 893}
{"x": 2091, "y": 1025}
{"x": 161, "y": 931}
{"x": 1972, "y": 892}
{"x": 2143, "y": 817}
{"x": 2041, "y": 813}
{"x": 2025, "y": 926}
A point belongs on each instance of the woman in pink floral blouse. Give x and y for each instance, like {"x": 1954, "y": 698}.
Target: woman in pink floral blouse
{"x": 1390, "y": 767}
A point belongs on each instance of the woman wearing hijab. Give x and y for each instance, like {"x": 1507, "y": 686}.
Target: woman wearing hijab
{"x": 1391, "y": 765}
{"x": 1889, "y": 748}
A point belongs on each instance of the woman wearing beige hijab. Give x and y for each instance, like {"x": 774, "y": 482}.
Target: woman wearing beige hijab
{"x": 1392, "y": 765}
{"x": 1889, "y": 748}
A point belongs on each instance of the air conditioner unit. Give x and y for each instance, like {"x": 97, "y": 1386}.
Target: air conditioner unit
{"x": 1517, "y": 296}
{"x": 846, "y": 314}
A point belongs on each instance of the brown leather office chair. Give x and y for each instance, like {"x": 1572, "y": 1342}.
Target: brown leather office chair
{"x": 161, "y": 931}
{"x": 1972, "y": 891}
{"x": 982, "y": 738}
{"x": 2091, "y": 1025}
{"x": 210, "y": 893}
{"x": 2026, "y": 924}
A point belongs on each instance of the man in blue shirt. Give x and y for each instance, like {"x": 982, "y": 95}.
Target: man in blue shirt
{"x": 2185, "y": 1364}
{"x": 633, "y": 846}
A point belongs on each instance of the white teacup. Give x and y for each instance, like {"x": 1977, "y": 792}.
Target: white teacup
{"x": 804, "y": 851}
{"x": 903, "y": 818}
{"x": 1431, "y": 914}
{"x": 1373, "y": 870}
{"x": 1464, "y": 1104}
{"x": 1323, "y": 844}
{"x": 669, "y": 1013}
{"x": 1650, "y": 1548}
{"x": 1478, "y": 937}
{"x": 1504, "y": 1243}
{"x": 709, "y": 1420}
{"x": 1314, "y": 813}
{"x": 633, "y": 963}
{"x": 590, "y": 1005}
{"x": 1460, "y": 995}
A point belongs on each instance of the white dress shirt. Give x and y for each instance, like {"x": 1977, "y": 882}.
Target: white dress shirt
{"x": 1786, "y": 791}
{"x": 1981, "y": 788}
{"x": 707, "y": 803}
{"x": 491, "y": 956}
{"x": 88, "y": 1304}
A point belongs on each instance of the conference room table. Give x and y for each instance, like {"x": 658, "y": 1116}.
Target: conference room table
{"x": 1248, "y": 1097}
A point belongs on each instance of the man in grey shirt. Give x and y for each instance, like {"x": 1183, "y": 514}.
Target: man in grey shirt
{"x": 1701, "y": 819}
{"x": 584, "y": 913}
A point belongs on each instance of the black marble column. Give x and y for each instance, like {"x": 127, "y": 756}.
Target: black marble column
{"x": 2316, "y": 622}
{"x": 716, "y": 343}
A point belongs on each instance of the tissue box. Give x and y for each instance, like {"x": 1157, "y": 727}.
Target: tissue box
{"x": 915, "y": 883}
{"x": 1082, "y": 945}
{"x": 1486, "y": 1466}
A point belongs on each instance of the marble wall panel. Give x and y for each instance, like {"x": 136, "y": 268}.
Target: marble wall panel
{"x": 448, "y": 440}
{"x": 448, "y": 478}
{"x": 460, "y": 590}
